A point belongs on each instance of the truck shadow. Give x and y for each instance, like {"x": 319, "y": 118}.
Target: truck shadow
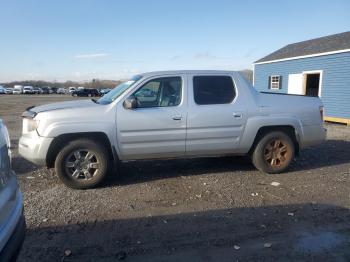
{"x": 301, "y": 232}
{"x": 330, "y": 153}
{"x": 141, "y": 171}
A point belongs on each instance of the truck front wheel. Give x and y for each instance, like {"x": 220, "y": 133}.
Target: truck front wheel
{"x": 273, "y": 153}
{"x": 82, "y": 164}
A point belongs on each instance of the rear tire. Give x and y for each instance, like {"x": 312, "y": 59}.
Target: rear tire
{"x": 82, "y": 164}
{"x": 274, "y": 153}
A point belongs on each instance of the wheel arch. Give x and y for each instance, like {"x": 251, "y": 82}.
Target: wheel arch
{"x": 288, "y": 129}
{"x": 60, "y": 141}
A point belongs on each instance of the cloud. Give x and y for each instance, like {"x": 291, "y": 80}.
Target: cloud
{"x": 86, "y": 56}
{"x": 176, "y": 57}
{"x": 33, "y": 76}
{"x": 112, "y": 75}
{"x": 250, "y": 52}
{"x": 205, "y": 55}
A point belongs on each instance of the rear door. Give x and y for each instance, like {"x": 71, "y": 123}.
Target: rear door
{"x": 216, "y": 115}
{"x": 157, "y": 127}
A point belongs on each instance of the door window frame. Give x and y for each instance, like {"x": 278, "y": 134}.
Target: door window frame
{"x": 193, "y": 102}
{"x": 149, "y": 79}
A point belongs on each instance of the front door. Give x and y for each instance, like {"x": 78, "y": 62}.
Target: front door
{"x": 216, "y": 115}
{"x": 157, "y": 127}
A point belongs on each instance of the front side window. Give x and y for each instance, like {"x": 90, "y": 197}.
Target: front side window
{"x": 160, "y": 92}
{"x": 209, "y": 90}
{"x": 275, "y": 82}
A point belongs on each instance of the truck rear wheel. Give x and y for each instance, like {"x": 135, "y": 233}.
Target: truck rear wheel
{"x": 274, "y": 152}
{"x": 82, "y": 164}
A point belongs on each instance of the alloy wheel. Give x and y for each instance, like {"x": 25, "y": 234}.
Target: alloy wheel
{"x": 276, "y": 153}
{"x": 82, "y": 164}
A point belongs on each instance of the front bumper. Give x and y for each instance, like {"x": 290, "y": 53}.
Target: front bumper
{"x": 34, "y": 148}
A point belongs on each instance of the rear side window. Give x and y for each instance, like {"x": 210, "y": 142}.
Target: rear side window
{"x": 209, "y": 90}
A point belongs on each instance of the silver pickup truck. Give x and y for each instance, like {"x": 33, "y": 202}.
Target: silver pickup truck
{"x": 173, "y": 114}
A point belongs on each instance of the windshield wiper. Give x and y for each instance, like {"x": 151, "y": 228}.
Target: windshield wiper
{"x": 94, "y": 100}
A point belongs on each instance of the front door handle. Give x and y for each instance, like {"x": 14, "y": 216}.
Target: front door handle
{"x": 177, "y": 117}
{"x": 237, "y": 115}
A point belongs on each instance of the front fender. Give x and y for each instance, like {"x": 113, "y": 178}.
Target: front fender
{"x": 56, "y": 128}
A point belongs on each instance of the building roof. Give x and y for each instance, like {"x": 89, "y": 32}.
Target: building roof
{"x": 315, "y": 46}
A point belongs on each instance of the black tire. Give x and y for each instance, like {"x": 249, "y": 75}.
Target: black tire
{"x": 268, "y": 156}
{"x": 100, "y": 158}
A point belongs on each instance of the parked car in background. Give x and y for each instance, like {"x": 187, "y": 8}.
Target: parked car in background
{"x": 61, "y": 91}
{"x": 46, "y": 90}
{"x": 12, "y": 221}
{"x": 17, "y": 90}
{"x": 105, "y": 91}
{"x": 71, "y": 89}
{"x": 9, "y": 90}
{"x": 2, "y": 90}
{"x": 54, "y": 90}
{"x": 37, "y": 90}
{"x": 28, "y": 90}
{"x": 86, "y": 92}
{"x": 170, "y": 114}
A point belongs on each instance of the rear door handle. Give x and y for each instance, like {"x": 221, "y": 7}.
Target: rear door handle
{"x": 177, "y": 117}
{"x": 237, "y": 115}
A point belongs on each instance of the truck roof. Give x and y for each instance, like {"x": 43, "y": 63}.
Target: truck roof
{"x": 187, "y": 72}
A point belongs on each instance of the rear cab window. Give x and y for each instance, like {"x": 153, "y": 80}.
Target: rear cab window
{"x": 215, "y": 89}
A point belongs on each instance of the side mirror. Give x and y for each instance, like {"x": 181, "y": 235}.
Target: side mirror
{"x": 131, "y": 103}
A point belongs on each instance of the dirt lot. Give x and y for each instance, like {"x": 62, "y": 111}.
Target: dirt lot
{"x": 211, "y": 209}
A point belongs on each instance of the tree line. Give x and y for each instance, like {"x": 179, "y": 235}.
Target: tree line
{"x": 95, "y": 83}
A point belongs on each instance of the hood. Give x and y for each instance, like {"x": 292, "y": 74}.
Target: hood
{"x": 63, "y": 105}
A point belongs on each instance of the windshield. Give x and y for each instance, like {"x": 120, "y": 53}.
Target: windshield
{"x": 117, "y": 91}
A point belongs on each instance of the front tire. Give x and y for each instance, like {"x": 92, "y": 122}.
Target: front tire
{"x": 274, "y": 153}
{"x": 82, "y": 164}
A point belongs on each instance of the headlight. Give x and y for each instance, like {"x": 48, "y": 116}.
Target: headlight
{"x": 29, "y": 125}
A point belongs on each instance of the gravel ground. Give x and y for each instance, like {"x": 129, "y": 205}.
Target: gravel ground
{"x": 209, "y": 209}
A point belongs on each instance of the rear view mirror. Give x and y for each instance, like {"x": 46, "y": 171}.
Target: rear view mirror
{"x": 131, "y": 103}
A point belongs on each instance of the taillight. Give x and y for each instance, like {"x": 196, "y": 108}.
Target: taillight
{"x": 321, "y": 112}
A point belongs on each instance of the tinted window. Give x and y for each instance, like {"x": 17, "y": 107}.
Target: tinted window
{"x": 160, "y": 92}
{"x": 210, "y": 90}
